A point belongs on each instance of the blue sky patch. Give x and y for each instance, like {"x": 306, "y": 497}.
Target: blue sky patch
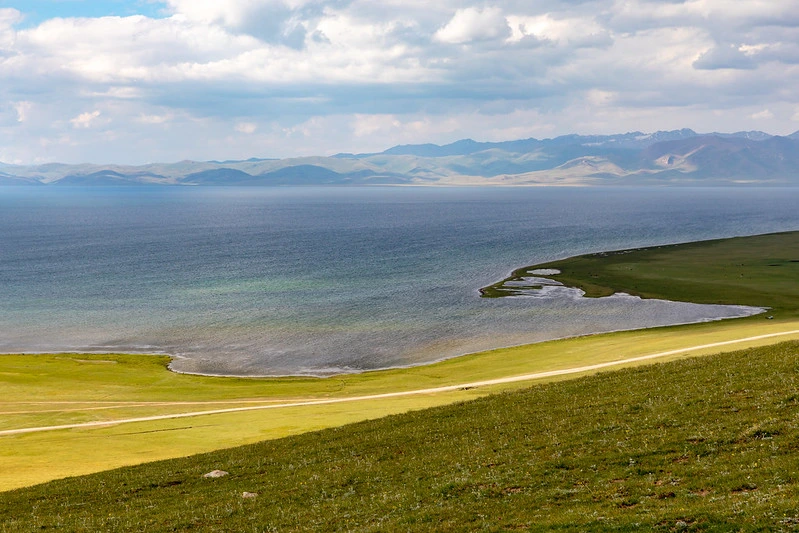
{"x": 38, "y": 11}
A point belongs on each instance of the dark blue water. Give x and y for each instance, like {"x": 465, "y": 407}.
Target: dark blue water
{"x": 315, "y": 280}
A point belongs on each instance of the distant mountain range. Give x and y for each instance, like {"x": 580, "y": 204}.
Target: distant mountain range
{"x": 679, "y": 157}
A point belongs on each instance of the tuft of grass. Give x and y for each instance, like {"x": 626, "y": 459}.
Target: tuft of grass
{"x": 703, "y": 444}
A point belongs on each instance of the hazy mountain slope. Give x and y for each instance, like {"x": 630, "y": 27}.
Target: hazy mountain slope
{"x": 109, "y": 177}
{"x": 678, "y": 157}
{"x": 9, "y": 180}
{"x": 216, "y": 176}
{"x": 774, "y": 160}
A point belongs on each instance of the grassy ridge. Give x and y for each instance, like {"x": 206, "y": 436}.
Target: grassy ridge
{"x": 759, "y": 271}
{"x": 707, "y": 444}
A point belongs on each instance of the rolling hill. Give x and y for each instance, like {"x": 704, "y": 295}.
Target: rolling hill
{"x": 679, "y": 157}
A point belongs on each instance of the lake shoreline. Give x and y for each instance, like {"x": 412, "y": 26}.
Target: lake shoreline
{"x": 321, "y": 282}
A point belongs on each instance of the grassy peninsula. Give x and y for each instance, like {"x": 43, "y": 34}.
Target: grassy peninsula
{"x": 760, "y": 271}
{"x": 691, "y": 444}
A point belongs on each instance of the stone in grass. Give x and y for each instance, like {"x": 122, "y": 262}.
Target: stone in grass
{"x": 249, "y": 495}
{"x": 216, "y": 474}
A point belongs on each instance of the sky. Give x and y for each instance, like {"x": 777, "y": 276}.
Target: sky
{"x": 139, "y": 81}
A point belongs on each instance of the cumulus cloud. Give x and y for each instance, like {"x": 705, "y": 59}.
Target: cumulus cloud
{"x": 725, "y": 56}
{"x": 274, "y": 21}
{"x": 473, "y": 24}
{"x": 117, "y": 50}
{"x": 581, "y": 30}
{"x": 85, "y": 120}
{"x": 760, "y": 115}
{"x": 9, "y": 17}
{"x": 345, "y": 74}
{"x": 22, "y": 109}
{"x": 154, "y": 119}
{"x": 246, "y": 127}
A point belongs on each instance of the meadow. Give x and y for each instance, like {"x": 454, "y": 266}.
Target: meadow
{"x": 701, "y": 444}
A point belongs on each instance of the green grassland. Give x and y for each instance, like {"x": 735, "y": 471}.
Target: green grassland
{"x": 760, "y": 271}
{"x": 45, "y": 390}
{"x": 58, "y": 389}
{"x": 700, "y": 444}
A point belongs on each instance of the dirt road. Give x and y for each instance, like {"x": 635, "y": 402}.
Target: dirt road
{"x": 434, "y": 390}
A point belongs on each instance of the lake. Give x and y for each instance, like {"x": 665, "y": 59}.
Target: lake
{"x": 279, "y": 281}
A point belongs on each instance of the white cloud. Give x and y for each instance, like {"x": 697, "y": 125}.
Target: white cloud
{"x": 154, "y": 119}
{"x": 22, "y": 108}
{"x": 233, "y": 13}
{"x": 125, "y": 51}
{"x": 129, "y": 49}
{"x": 9, "y": 17}
{"x": 404, "y": 129}
{"x": 310, "y": 76}
{"x": 751, "y": 10}
{"x": 85, "y": 120}
{"x": 367, "y": 125}
{"x": 274, "y": 21}
{"x": 246, "y": 127}
{"x": 473, "y": 24}
{"x": 760, "y": 115}
{"x": 635, "y": 14}
{"x": 753, "y": 49}
{"x": 725, "y": 56}
{"x": 123, "y": 93}
{"x": 212, "y": 11}
{"x": 546, "y": 28}
{"x": 600, "y": 98}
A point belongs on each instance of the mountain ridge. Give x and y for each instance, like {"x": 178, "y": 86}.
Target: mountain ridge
{"x": 676, "y": 157}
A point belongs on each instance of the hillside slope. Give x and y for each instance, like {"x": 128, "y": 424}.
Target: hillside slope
{"x": 679, "y": 157}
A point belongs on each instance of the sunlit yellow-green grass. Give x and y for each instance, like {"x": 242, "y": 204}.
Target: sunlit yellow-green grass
{"x": 48, "y": 390}
{"x": 62, "y": 389}
{"x": 704, "y": 444}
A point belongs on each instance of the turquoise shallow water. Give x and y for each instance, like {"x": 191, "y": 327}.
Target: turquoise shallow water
{"x": 315, "y": 281}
